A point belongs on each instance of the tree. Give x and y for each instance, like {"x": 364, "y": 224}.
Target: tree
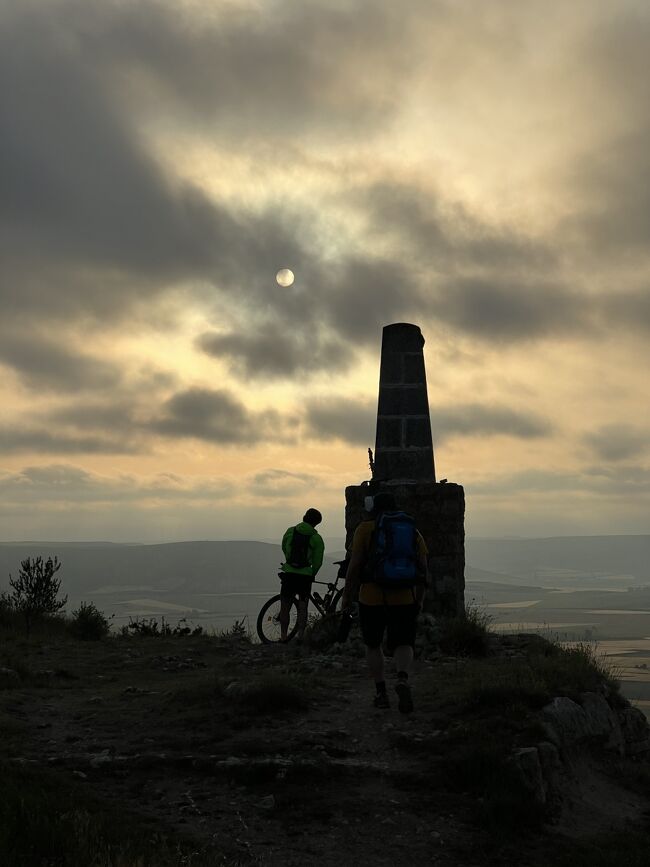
{"x": 35, "y": 590}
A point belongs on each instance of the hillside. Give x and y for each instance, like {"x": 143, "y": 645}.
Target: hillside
{"x": 543, "y": 560}
{"x": 188, "y": 566}
{"x": 206, "y": 567}
{"x": 200, "y": 751}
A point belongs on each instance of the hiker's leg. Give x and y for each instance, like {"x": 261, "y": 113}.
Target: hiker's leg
{"x": 403, "y": 657}
{"x": 302, "y": 616}
{"x": 372, "y": 621}
{"x": 285, "y": 608}
{"x": 401, "y": 628}
{"x": 400, "y": 634}
{"x": 375, "y": 660}
{"x": 287, "y": 594}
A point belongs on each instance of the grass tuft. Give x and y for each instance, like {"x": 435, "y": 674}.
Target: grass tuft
{"x": 467, "y": 634}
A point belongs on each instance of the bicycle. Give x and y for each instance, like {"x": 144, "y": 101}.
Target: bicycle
{"x": 268, "y": 620}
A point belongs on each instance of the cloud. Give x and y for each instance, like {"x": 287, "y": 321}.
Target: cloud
{"x": 503, "y": 311}
{"x": 629, "y": 309}
{"x": 20, "y": 438}
{"x": 65, "y": 483}
{"x": 281, "y": 483}
{"x": 274, "y": 351}
{"x": 216, "y": 416}
{"x": 354, "y": 421}
{"x": 590, "y": 482}
{"x": 618, "y": 442}
{"x": 473, "y": 419}
{"x": 44, "y": 363}
{"x": 442, "y": 232}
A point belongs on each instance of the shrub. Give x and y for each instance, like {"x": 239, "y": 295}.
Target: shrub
{"x": 467, "y": 634}
{"x": 149, "y": 627}
{"x": 35, "y": 590}
{"x": 237, "y": 632}
{"x": 89, "y": 623}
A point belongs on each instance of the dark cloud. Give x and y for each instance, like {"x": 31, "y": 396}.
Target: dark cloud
{"x": 625, "y": 481}
{"x": 345, "y": 419}
{"x": 46, "y": 439}
{"x": 440, "y": 232}
{"x": 503, "y": 311}
{"x": 473, "y": 419}
{"x": 618, "y": 442}
{"x": 44, "y": 363}
{"x": 216, "y": 416}
{"x": 293, "y": 69}
{"x": 629, "y": 309}
{"x": 71, "y": 484}
{"x": 274, "y": 351}
{"x": 354, "y": 421}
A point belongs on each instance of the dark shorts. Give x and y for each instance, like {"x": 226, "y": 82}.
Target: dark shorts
{"x": 398, "y": 621}
{"x": 295, "y": 585}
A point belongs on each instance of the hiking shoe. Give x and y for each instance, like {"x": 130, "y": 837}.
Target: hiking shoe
{"x": 405, "y": 700}
{"x": 381, "y": 700}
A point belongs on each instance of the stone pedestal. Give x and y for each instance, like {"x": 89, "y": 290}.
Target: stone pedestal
{"x": 439, "y": 512}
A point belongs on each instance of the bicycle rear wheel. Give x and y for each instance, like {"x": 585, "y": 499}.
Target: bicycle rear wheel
{"x": 268, "y": 621}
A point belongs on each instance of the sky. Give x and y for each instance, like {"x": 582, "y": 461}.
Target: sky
{"x": 481, "y": 169}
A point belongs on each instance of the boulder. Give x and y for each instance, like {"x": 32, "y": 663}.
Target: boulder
{"x": 527, "y": 763}
{"x": 604, "y": 722}
{"x": 635, "y": 729}
{"x": 565, "y": 722}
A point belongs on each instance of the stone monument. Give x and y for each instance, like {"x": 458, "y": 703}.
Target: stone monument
{"x": 404, "y": 465}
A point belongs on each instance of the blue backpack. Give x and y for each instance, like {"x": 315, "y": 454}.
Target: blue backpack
{"x": 393, "y": 552}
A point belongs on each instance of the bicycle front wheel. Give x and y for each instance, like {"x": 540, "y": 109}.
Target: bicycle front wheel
{"x": 268, "y": 621}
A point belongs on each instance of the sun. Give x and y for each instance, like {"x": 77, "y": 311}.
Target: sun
{"x": 285, "y": 277}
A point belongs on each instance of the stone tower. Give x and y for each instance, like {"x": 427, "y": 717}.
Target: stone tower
{"x": 404, "y": 464}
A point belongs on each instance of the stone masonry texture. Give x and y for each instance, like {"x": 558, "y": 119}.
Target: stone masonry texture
{"x": 403, "y": 444}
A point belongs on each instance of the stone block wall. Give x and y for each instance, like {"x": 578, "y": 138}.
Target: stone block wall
{"x": 439, "y": 511}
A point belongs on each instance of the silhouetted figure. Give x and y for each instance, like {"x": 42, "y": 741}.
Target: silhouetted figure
{"x": 388, "y": 569}
{"x": 303, "y": 549}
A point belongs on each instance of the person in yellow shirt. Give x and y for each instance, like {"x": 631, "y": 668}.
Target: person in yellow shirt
{"x": 388, "y": 602}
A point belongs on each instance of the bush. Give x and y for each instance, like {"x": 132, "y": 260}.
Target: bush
{"x": 237, "y": 632}
{"x": 467, "y": 634}
{"x": 150, "y": 628}
{"x": 35, "y": 590}
{"x": 89, "y": 623}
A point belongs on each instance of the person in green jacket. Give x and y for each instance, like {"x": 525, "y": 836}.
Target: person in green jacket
{"x": 303, "y": 549}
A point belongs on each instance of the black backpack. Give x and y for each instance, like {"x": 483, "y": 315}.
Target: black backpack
{"x": 299, "y": 552}
{"x": 393, "y": 559}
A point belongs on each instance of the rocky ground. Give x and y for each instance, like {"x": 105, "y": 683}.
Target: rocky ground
{"x": 216, "y": 751}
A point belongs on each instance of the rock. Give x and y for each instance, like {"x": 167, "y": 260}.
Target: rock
{"x": 552, "y": 770}
{"x": 9, "y": 678}
{"x": 100, "y": 759}
{"x": 565, "y": 722}
{"x": 267, "y": 803}
{"x": 527, "y": 763}
{"x": 635, "y": 729}
{"x": 603, "y": 721}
